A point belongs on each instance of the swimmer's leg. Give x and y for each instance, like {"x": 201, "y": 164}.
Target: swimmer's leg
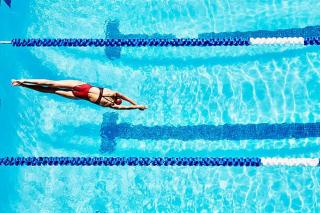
{"x": 64, "y": 93}
{"x": 65, "y": 84}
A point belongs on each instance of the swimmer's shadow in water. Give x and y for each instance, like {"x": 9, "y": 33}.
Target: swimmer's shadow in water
{"x": 111, "y": 130}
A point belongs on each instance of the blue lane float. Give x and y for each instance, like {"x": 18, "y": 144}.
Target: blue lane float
{"x": 175, "y": 42}
{"x": 157, "y": 161}
{"x": 127, "y": 161}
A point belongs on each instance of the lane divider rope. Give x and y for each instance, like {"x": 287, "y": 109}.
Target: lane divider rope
{"x": 177, "y": 42}
{"x": 158, "y": 161}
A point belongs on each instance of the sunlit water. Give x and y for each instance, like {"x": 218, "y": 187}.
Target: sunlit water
{"x": 181, "y": 86}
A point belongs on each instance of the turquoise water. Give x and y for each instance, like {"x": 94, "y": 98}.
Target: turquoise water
{"x": 181, "y": 87}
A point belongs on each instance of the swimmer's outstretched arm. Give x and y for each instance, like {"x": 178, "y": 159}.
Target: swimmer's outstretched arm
{"x": 120, "y": 107}
{"x": 123, "y": 97}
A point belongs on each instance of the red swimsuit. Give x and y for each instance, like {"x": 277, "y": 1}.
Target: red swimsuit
{"x": 81, "y": 91}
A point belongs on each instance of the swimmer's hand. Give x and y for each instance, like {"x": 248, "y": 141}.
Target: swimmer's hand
{"x": 142, "y": 107}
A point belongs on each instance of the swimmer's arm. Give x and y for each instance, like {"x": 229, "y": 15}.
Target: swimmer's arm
{"x": 121, "y": 107}
{"x": 126, "y": 98}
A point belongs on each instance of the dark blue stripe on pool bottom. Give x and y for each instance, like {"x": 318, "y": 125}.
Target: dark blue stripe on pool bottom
{"x": 128, "y": 161}
{"x": 113, "y": 32}
{"x": 8, "y": 2}
{"x": 311, "y": 31}
{"x": 111, "y": 129}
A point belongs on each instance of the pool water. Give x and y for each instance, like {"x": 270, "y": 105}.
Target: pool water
{"x": 183, "y": 87}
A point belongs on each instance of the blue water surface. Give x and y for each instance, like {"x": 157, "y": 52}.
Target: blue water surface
{"x": 203, "y": 101}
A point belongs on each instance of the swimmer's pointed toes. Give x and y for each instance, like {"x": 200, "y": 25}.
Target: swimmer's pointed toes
{"x": 15, "y": 82}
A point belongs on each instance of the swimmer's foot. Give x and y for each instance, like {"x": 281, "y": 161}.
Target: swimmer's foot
{"x": 16, "y": 82}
